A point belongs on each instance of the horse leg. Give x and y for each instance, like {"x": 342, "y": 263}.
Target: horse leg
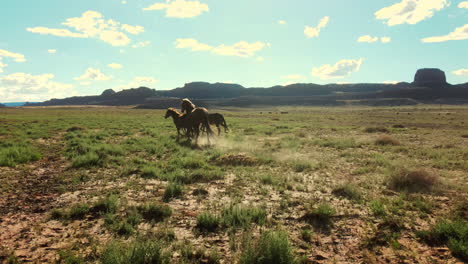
{"x": 219, "y": 130}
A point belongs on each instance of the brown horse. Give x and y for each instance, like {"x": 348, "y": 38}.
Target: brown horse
{"x": 191, "y": 122}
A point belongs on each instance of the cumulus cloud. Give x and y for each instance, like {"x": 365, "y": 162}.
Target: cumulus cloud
{"x": 463, "y": 4}
{"x": 385, "y": 39}
{"x": 52, "y": 51}
{"x": 282, "y": 22}
{"x": 192, "y": 44}
{"x": 16, "y": 56}
{"x": 92, "y": 24}
{"x": 461, "y": 72}
{"x": 239, "y": 49}
{"x": 135, "y": 30}
{"x": 28, "y": 87}
{"x": 410, "y": 11}
{"x": 341, "y": 69}
{"x": 458, "y": 34}
{"x": 313, "y": 32}
{"x": 115, "y": 66}
{"x": 92, "y": 74}
{"x": 180, "y": 8}
{"x": 370, "y": 39}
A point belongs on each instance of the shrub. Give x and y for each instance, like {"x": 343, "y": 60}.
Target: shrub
{"x": 300, "y": 166}
{"x": 272, "y": 247}
{"x": 239, "y": 215}
{"x": 414, "y": 181}
{"x": 12, "y": 154}
{"x": 149, "y": 172}
{"x": 87, "y": 160}
{"x": 348, "y": 191}
{"x": 207, "y": 221}
{"x": 173, "y": 190}
{"x": 154, "y": 212}
{"x": 67, "y": 257}
{"x": 137, "y": 252}
{"x": 453, "y": 233}
{"x": 78, "y": 211}
{"x": 306, "y": 234}
{"x": 321, "y": 216}
{"x": 376, "y": 129}
{"x": 386, "y": 141}
{"x": 377, "y": 208}
{"x": 106, "y": 205}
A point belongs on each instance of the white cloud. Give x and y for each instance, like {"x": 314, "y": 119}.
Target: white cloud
{"x": 56, "y": 32}
{"x": 92, "y": 24}
{"x": 16, "y": 56}
{"x": 180, "y": 8}
{"x": 293, "y": 77}
{"x": 239, "y": 49}
{"x": 28, "y": 87}
{"x": 368, "y": 39}
{"x": 115, "y": 66}
{"x": 282, "y": 22}
{"x": 461, "y": 72}
{"x": 463, "y": 4}
{"x": 313, "y": 32}
{"x": 341, "y": 69}
{"x": 385, "y": 39}
{"x": 390, "y": 82}
{"x": 260, "y": 59}
{"x": 141, "y": 44}
{"x": 2, "y": 65}
{"x": 52, "y": 51}
{"x": 135, "y": 30}
{"x": 458, "y": 34}
{"x": 124, "y": 2}
{"x": 92, "y": 74}
{"x": 410, "y": 11}
{"x": 192, "y": 44}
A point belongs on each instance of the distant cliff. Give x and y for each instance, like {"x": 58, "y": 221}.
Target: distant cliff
{"x": 108, "y": 97}
{"x": 429, "y": 86}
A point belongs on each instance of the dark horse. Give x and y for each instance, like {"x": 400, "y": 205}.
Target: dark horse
{"x": 190, "y": 122}
{"x": 218, "y": 120}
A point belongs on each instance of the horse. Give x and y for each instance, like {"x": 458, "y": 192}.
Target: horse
{"x": 191, "y": 122}
{"x": 218, "y": 120}
{"x": 179, "y": 121}
{"x": 187, "y": 106}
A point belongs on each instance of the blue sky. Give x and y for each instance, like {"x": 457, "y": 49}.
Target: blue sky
{"x": 57, "y": 48}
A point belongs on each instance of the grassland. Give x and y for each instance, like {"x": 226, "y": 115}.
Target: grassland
{"x": 313, "y": 185}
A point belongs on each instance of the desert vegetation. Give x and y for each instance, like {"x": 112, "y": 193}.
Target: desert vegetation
{"x": 315, "y": 185}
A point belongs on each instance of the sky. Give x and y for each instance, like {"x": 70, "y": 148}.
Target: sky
{"x": 61, "y": 48}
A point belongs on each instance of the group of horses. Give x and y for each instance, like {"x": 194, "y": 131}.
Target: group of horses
{"x": 194, "y": 120}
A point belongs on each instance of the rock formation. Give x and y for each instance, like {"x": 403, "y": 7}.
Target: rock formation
{"x": 430, "y": 77}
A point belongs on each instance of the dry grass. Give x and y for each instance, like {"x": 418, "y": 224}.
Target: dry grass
{"x": 413, "y": 180}
{"x": 387, "y": 141}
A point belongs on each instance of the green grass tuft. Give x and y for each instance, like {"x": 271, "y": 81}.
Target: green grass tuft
{"x": 272, "y": 247}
